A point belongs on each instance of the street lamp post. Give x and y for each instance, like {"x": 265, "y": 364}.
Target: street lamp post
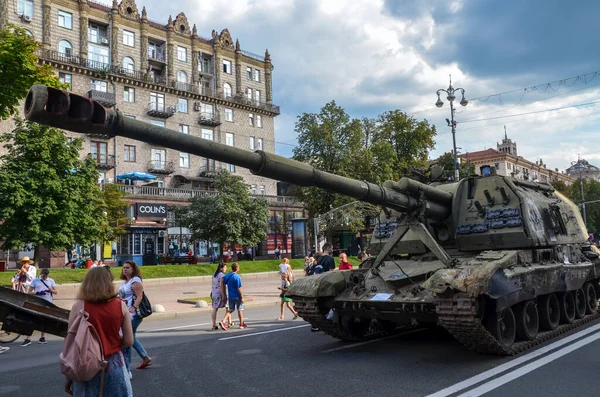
{"x": 451, "y": 123}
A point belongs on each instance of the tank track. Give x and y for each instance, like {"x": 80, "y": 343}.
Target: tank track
{"x": 461, "y": 318}
{"x": 308, "y": 309}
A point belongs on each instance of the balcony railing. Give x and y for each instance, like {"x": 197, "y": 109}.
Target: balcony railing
{"x": 210, "y": 170}
{"x": 185, "y": 194}
{"x": 104, "y": 161}
{"x": 185, "y": 86}
{"x": 209, "y": 119}
{"x": 104, "y": 40}
{"x": 161, "y": 167}
{"x": 105, "y": 98}
{"x": 156, "y": 55}
{"x": 158, "y": 110}
{"x": 253, "y": 55}
{"x": 206, "y": 70}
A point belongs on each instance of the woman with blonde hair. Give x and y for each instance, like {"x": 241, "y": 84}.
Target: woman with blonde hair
{"x": 97, "y": 296}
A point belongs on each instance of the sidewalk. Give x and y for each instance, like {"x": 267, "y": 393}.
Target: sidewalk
{"x": 260, "y": 289}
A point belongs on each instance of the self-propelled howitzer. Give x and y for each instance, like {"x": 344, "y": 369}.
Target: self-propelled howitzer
{"x": 501, "y": 263}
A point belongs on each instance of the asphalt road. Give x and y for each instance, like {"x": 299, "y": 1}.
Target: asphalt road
{"x": 274, "y": 358}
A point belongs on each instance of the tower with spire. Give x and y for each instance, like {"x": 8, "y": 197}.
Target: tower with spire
{"x": 507, "y": 145}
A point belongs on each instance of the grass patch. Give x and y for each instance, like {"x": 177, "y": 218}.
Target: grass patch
{"x": 67, "y": 276}
{"x": 207, "y": 299}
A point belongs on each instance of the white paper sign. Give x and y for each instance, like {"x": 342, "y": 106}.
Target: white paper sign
{"x": 381, "y": 297}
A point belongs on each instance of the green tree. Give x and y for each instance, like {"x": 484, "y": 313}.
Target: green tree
{"x": 19, "y": 69}
{"x": 48, "y": 196}
{"x": 231, "y": 216}
{"x": 446, "y": 162}
{"x": 591, "y": 192}
{"x": 116, "y": 210}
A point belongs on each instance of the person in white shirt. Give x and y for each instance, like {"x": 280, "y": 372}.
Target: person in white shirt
{"x": 25, "y": 274}
{"x": 285, "y": 268}
{"x": 45, "y": 288}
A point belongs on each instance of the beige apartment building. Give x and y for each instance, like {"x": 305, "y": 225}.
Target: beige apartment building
{"x": 166, "y": 74}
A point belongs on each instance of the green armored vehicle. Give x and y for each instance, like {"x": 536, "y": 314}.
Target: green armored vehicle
{"x": 502, "y": 264}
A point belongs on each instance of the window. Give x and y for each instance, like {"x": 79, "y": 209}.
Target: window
{"x": 226, "y": 66}
{"x": 249, "y": 93}
{"x": 99, "y": 152}
{"x": 259, "y": 121}
{"x": 184, "y": 160}
{"x": 99, "y": 85}
{"x": 65, "y": 48}
{"x": 259, "y": 146}
{"x": 129, "y": 154}
{"x": 229, "y": 139}
{"x": 128, "y": 64}
{"x": 65, "y": 19}
{"x": 155, "y": 51}
{"x": 181, "y": 80}
{"x": 25, "y": 7}
{"x": 97, "y": 34}
{"x": 253, "y": 189}
{"x": 204, "y": 65}
{"x": 251, "y": 119}
{"x": 262, "y": 190}
{"x": 206, "y": 110}
{"x": 65, "y": 78}
{"x": 229, "y": 115}
{"x": 207, "y": 134}
{"x": 129, "y": 94}
{"x": 159, "y": 159}
{"x": 184, "y": 129}
{"x": 182, "y": 53}
{"x": 256, "y": 75}
{"x": 227, "y": 90}
{"x": 157, "y": 101}
{"x": 158, "y": 123}
{"x": 249, "y": 72}
{"x": 251, "y": 143}
{"x": 182, "y": 105}
{"x": 257, "y": 96}
{"x": 97, "y": 54}
{"x": 128, "y": 38}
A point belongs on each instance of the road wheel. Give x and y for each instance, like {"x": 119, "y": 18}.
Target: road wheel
{"x": 356, "y": 326}
{"x": 528, "y": 320}
{"x": 549, "y": 308}
{"x": 503, "y": 327}
{"x": 591, "y": 302}
{"x": 7, "y": 337}
{"x": 580, "y": 303}
{"x": 567, "y": 307}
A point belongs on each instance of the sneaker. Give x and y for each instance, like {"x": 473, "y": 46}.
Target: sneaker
{"x": 42, "y": 341}
{"x": 242, "y": 326}
{"x": 223, "y": 326}
{"x": 4, "y": 349}
{"x": 314, "y": 329}
{"x": 26, "y": 342}
{"x": 130, "y": 375}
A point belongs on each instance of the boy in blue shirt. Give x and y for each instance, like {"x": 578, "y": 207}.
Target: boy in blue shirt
{"x": 235, "y": 299}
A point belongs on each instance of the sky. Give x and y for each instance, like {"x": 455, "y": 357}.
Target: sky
{"x": 372, "y": 56}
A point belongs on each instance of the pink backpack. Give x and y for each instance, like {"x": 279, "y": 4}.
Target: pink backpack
{"x": 82, "y": 356}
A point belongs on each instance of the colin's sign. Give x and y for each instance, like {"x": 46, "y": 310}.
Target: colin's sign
{"x": 151, "y": 210}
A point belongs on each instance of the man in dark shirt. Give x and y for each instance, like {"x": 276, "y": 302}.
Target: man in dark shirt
{"x": 325, "y": 263}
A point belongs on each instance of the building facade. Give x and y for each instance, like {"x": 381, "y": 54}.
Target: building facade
{"x": 583, "y": 169}
{"x": 160, "y": 73}
{"x": 507, "y": 163}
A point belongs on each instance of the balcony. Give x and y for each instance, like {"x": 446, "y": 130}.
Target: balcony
{"x": 162, "y": 111}
{"x": 157, "y": 55}
{"x": 161, "y": 167}
{"x": 209, "y": 119}
{"x": 211, "y": 170}
{"x": 206, "y": 70}
{"x": 99, "y": 39}
{"x": 104, "y": 161}
{"x": 105, "y": 98}
{"x": 184, "y": 86}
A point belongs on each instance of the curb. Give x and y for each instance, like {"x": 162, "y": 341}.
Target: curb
{"x": 196, "y": 311}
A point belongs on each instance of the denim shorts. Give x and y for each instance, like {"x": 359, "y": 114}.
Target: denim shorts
{"x": 235, "y": 303}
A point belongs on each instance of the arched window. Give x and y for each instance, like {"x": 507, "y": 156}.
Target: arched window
{"x": 227, "y": 90}
{"x": 181, "y": 77}
{"x": 65, "y": 48}
{"x": 28, "y": 33}
{"x": 128, "y": 64}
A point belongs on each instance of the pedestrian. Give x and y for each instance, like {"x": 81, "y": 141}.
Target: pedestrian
{"x": 218, "y": 294}
{"x": 284, "y": 267}
{"x": 235, "y": 298}
{"x": 132, "y": 286}
{"x": 45, "y": 288}
{"x": 25, "y": 275}
{"x": 308, "y": 261}
{"x": 110, "y": 318}
{"x": 285, "y": 284}
{"x": 277, "y": 253}
{"x": 344, "y": 264}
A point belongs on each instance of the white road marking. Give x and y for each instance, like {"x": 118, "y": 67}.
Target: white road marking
{"x": 178, "y": 327}
{"x": 524, "y": 370}
{"x": 510, "y": 364}
{"x": 265, "y": 332}
{"x": 370, "y": 341}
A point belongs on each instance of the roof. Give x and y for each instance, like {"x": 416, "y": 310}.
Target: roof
{"x": 482, "y": 154}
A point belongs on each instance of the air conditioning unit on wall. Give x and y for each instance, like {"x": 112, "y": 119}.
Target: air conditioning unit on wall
{"x": 26, "y": 18}
{"x": 161, "y": 233}
{"x": 104, "y": 40}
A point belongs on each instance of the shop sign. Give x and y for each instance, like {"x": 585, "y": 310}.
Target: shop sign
{"x": 151, "y": 211}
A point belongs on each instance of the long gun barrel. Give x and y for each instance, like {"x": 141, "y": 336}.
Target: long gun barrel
{"x": 65, "y": 110}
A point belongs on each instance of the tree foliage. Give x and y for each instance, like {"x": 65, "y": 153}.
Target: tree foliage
{"x": 231, "y": 216}
{"x": 48, "y": 195}
{"x": 116, "y": 210}
{"x": 375, "y": 150}
{"x": 591, "y": 192}
{"x": 19, "y": 69}
{"x": 446, "y": 162}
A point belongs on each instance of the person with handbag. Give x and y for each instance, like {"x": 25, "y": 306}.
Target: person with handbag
{"x": 110, "y": 318}
{"x": 45, "y": 288}
{"x": 131, "y": 291}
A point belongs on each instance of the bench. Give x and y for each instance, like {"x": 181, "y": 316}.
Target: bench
{"x": 176, "y": 260}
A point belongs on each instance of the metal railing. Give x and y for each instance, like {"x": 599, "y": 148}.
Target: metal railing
{"x": 206, "y": 70}
{"x": 253, "y": 55}
{"x": 104, "y": 161}
{"x": 185, "y": 87}
{"x": 162, "y": 167}
{"x": 107, "y": 98}
{"x": 160, "y": 110}
{"x": 157, "y": 55}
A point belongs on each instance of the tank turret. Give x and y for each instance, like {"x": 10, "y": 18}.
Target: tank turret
{"x": 502, "y": 264}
